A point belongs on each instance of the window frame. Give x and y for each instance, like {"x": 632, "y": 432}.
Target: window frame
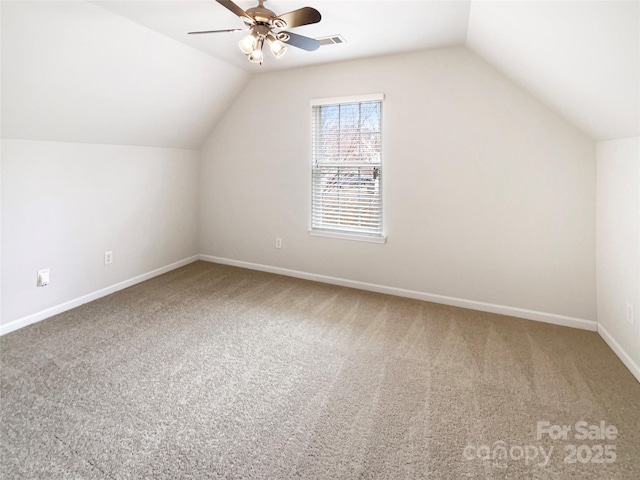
{"x": 349, "y": 234}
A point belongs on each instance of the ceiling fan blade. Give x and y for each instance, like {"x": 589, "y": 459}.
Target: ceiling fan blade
{"x": 229, "y": 5}
{"x": 217, "y": 31}
{"x": 302, "y": 16}
{"x": 300, "y": 41}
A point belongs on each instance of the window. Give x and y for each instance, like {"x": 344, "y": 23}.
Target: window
{"x": 346, "y": 198}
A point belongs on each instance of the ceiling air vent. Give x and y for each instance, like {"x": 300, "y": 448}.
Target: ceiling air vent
{"x": 332, "y": 40}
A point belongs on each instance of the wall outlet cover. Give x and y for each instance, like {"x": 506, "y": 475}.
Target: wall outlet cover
{"x": 43, "y": 278}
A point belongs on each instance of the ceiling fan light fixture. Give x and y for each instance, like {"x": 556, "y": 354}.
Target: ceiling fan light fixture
{"x": 277, "y": 47}
{"x": 248, "y": 44}
{"x": 256, "y": 55}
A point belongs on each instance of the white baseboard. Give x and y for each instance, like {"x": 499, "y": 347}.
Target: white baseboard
{"x": 619, "y": 351}
{"x": 428, "y": 297}
{"x": 76, "y": 302}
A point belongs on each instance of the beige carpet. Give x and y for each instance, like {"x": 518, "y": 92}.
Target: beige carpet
{"x": 218, "y": 372}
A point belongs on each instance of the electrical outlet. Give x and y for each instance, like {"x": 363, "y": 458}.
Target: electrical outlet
{"x": 630, "y": 318}
{"x": 108, "y": 258}
{"x": 278, "y": 242}
{"x": 43, "y": 278}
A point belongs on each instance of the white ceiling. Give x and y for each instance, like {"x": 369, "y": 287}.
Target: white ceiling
{"x": 74, "y": 72}
{"x": 371, "y": 28}
{"x": 126, "y": 71}
{"x": 581, "y": 58}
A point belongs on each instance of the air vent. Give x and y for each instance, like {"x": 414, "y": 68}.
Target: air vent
{"x": 332, "y": 40}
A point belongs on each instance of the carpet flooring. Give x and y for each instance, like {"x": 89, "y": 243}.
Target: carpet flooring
{"x": 212, "y": 371}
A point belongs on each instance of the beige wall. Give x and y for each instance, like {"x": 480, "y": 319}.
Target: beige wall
{"x": 618, "y": 245}
{"x": 65, "y": 204}
{"x": 489, "y": 196}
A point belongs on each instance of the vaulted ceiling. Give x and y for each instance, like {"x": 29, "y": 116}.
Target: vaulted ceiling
{"x": 125, "y": 72}
{"x": 370, "y": 28}
{"x": 582, "y": 58}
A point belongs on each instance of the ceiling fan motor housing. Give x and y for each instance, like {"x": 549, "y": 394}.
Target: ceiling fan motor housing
{"x": 262, "y": 15}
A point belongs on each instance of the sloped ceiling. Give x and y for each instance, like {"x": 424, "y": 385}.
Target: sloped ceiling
{"x": 125, "y": 72}
{"x": 74, "y": 72}
{"x": 581, "y": 58}
{"x": 370, "y": 28}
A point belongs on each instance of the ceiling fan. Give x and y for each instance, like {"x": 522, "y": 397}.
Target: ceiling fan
{"x": 265, "y": 25}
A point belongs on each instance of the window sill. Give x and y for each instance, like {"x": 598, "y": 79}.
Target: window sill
{"x": 348, "y": 236}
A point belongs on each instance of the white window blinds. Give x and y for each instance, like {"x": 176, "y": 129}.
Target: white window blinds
{"x": 347, "y": 166}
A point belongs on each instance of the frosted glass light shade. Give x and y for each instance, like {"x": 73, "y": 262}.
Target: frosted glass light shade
{"x": 277, "y": 47}
{"x": 248, "y": 44}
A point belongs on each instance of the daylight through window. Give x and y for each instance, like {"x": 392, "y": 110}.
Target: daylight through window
{"x": 347, "y": 166}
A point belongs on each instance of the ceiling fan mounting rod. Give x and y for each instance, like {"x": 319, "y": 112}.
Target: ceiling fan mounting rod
{"x": 260, "y": 14}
